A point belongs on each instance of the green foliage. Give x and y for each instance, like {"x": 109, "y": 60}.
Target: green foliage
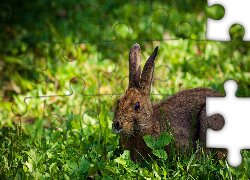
{"x": 80, "y": 153}
{"x": 39, "y": 57}
{"x": 163, "y": 140}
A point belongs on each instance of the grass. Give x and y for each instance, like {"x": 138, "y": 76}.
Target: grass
{"x": 46, "y": 134}
{"x": 79, "y": 152}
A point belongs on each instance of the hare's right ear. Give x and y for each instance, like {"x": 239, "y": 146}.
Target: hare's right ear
{"x": 134, "y": 66}
{"x": 148, "y": 72}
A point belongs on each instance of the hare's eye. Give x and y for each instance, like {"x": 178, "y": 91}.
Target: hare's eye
{"x": 137, "y": 106}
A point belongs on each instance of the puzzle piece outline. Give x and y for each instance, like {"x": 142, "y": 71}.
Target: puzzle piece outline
{"x": 226, "y": 136}
{"x": 219, "y": 29}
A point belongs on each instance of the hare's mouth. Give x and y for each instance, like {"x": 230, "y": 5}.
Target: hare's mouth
{"x": 135, "y": 128}
{"x": 123, "y": 132}
{"x": 118, "y": 132}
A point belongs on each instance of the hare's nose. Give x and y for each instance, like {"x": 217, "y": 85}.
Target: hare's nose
{"x": 117, "y": 126}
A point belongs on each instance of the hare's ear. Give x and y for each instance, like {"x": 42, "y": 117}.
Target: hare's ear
{"x": 148, "y": 72}
{"x": 134, "y": 66}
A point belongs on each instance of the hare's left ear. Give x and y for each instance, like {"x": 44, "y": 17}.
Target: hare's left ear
{"x": 148, "y": 72}
{"x": 134, "y": 66}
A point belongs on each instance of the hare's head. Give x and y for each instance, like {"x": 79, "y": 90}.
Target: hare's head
{"x": 134, "y": 110}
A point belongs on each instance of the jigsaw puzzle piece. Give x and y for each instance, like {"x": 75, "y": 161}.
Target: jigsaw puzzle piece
{"x": 147, "y": 20}
{"x": 25, "y": 56}
{"x": 115, "y": 61}
{"x": 196, "y": 66}
{"x": 37, "y": 123}
{"x": 27, "y": 76}
{"x": 30, "y": 55}
{"x": 144, "y": 23}
{"x": 31, "y": 74}
{"x": 69, "y": 25}
{"x": 21, "y": 48}
{"x": 189, "y": 63}
{"x": 94, "y": 17}
{"x": 51, "y": 113}
{"x": 32, "y": 122}
{"x": 52, "y": 101}
{"x": 25, "y": 64}
{"x": 60, "y": 72}
{"x": 138, "y": 16}
{"x": 76, "y": 113}
{"x": 21, "y": 101}
{"x": 91, "y": 26}
{"x": 173, "y": 67}
{"x": 33, "y": 113}
{"x": 234, "y": 56}
{"x": 186, "y": 11}
{"x": 17, "y": 22}
{"x": 121, "y": 63}
{"x": 167, "y": 69}
{"x": 45, "y": 64}
{"x": 91, "y": 70}
{"x": 234, "y": 135}
{"x": 236, "y": 13}
{"x": 6, "y": 47}
{"x": 77, "y": 101}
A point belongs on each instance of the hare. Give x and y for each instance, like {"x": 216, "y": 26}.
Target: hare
{"x": 136, "y": 115}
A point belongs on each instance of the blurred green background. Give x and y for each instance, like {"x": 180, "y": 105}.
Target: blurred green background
{"x": 50, "y": 47}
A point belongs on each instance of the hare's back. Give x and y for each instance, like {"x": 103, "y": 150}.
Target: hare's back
{"x": 180, "y": 110}
{"x": 184, "y": 101}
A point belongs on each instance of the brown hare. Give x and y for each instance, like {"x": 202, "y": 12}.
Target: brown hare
{"x": 136, "y": 115}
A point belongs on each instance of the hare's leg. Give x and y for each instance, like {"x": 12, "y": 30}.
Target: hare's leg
{"x": 215, "y": 122}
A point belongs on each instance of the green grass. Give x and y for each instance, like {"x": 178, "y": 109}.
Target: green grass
{"x": 52, "y": 136}
{"x": 78, "y": 151}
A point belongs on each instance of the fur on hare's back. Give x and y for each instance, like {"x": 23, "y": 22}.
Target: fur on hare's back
{"x": 136, "y": 115}
{"x": 179, "y": 111}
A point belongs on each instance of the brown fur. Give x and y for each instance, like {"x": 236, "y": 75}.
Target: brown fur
{"x": 178, "y": 109}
